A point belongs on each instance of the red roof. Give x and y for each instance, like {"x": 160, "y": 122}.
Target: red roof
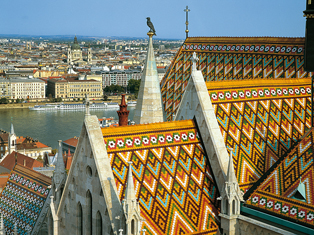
{"x": 72, "y": 142}
{"x": 9, "y": 161}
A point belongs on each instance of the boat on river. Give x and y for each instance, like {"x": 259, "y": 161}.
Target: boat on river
{"x": 131, "y": 103}
{"x": 61, "y": 106}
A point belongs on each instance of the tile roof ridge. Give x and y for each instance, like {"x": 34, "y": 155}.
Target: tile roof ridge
{"x": 255, "y": 186}
{"x": 33, "y": 171}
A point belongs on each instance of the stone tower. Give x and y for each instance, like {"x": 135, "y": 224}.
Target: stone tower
{"x": 131, "y": 207}
{"x": 123, "y": 113}
{"x": 231, "y": 198}
{"x": 12, "y": 140}
{"x": 149, "y": 106}
{"x": 89, "y": 54}
{"x": 57, "y": 187}
{"x": 69, "y": 55}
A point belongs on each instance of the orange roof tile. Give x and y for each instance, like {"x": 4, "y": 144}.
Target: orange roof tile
{"x": 9, "y": 161}
{"x": 72, "y": 142}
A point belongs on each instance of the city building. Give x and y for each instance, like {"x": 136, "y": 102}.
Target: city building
{"x": 70, "y": 144}
{"x": 75, "y": 55}
{"x": 10, "y": 142}
{"x": 120, "y": 77}
{"x": 73, "y": 87}
{"x": 27, "y": 88}
{"x": 75, "y": 52}
{"x": 5, "y": 89}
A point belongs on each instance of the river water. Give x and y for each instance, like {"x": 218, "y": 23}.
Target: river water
{"x": 50, "y": 126}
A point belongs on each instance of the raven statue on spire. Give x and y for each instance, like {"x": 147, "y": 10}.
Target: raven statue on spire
{"x": 151, "y": 26}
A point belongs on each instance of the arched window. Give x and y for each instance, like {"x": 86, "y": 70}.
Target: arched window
{"x": 233, "y": 207}
{"x": 89, "y": 208}
{"x": 98, "y": 224}
{"x": 89, "y": 172}
{"x": 79, "y": 219}
{"x": 132, "y": 227}
{"x": 227, "y": 207}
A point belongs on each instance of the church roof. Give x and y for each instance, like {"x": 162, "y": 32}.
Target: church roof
{"x": 75, "y": 45}
{"x": 232, "y": 58}
{"x": 23, "y": 198}
{"x": 173, "y": 179}
{"x": 260, "y": 120}
{"x": 274, "y": 192}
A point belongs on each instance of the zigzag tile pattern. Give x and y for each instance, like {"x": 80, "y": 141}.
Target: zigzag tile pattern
{"x": 172, "y": 176}
{"x": 232, "y": 59}
{"x": 22, "y": 199}
{"x": 274, "y": 193}
{"x": 261, "y": 120}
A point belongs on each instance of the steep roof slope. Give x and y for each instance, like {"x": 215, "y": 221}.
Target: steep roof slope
{"x": 232, "y": 58}
{"x": 261, "y": 120}
{"x": 274, "y": 193}
{"x": 173, "y": 179}
{"x": 23, "y": 199}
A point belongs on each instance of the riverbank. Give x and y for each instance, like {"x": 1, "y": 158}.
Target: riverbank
{"x": 32, "y": 104}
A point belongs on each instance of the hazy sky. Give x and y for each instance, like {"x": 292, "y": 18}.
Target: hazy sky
{"x": 128, "y": 18}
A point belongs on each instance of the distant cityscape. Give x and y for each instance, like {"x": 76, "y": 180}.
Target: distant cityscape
{"x": 38, "y": 68}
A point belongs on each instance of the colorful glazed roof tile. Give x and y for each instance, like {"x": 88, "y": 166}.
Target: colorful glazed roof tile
{"x": 261, "y": 120}
{"x": 227, "y": 58}
{"x": 172, "y": 177}
{"x": 22, "y": 199}
{"x": 273, "y": 194}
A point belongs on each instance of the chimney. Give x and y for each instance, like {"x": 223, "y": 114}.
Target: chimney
{"x": 24, "y": 162}
{"x": 123, "y": 113}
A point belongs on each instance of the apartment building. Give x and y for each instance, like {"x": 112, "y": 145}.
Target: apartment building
{"x": 71, "y": 87}
{"x": 5, "y": 89}
{"x": 121, "y": 78}
{"x": 27, "y": 88}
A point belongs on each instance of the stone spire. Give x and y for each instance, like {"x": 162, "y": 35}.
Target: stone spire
{"x": 130, "y": 192}
{"x": 149, "y": 106}
{"x": 123, "y": 113}
{"x": 59, "y": 173}
{"x": 131, "y": 207}
{"x": 231, "y": 178}
{"x": 12, "y": 139}
{"x": 231, "y": 198}
{"x": 12, "y": 129}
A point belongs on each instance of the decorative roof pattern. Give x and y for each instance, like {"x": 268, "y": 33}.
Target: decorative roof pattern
{"x": 172, "y": 178}
{"x": 274, "y": 193}
{"x": 261, "y": 120}
{"x": 232, "y": 59}
{"x": 22, "y": 199}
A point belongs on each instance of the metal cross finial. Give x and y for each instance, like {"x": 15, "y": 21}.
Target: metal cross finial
{"x": 187, "y": 20}
{"x": 194, "y": 60}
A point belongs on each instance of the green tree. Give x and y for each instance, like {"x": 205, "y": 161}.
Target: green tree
{"x": 4, "y": 100}
{"x": 114, "y": 89}
{"x": 18, "y": 100}
{"x": 134, "y": 86}
{"x": 50, "y": 97}
{"x": 105, "y": 97}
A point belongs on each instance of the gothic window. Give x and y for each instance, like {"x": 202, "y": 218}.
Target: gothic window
{"x": 89, "y": 208}
{"x": 79, "y": 219}
{"x": 233, "y": 207}
{"x": 89, "y": 172}
{"x": 226, "y": 207}
{"x": 98, "y": 224}
{"x": 133, "y": 227}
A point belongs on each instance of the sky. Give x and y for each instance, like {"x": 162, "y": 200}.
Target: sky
{"x": 278, "y": 18}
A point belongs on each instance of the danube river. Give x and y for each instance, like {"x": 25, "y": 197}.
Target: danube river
{"x": 49, "y": 126}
